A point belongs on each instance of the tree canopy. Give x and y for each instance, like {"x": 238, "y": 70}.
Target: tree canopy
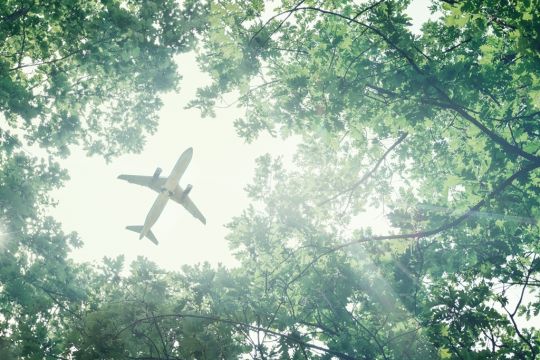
{"x": 438, "y": 132}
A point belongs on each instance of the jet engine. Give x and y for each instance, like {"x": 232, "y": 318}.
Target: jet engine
{"x": 186, "y": 192}
{"x": 156, "y": 174}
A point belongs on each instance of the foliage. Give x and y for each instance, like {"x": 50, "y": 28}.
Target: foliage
{"x": 71, "y": 72}
{"x": 437, "y": 132}
{"x": 90, "y": 72}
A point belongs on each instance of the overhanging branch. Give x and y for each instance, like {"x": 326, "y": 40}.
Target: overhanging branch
{"x": 508, "y": 147}
{"x": 370, "y": 173}
{"x": 426, "y": 233}
{"x": 338, "y": 354}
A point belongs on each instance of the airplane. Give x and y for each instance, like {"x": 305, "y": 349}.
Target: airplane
{"x": 167, "y": 188}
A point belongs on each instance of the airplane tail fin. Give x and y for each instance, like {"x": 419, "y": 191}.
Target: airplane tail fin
{"x": 150, "y": 235}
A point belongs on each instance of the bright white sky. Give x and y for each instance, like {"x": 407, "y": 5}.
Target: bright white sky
{"x": 99, "y": 206}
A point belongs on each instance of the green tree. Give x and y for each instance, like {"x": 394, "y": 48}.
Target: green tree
{"x": 85, "y": 73}
{"x": 439, "y": 129}
{"x": 90, "y": 72}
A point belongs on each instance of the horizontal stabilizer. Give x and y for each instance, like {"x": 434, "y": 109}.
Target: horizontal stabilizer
{"x": 150, "y": 235}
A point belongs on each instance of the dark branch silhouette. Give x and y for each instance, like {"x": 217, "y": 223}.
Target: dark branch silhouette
{"x": 425, "y": 233}
{"x": 338, "y": 354}
{"x": 370, "y": 173}
{"x": 451, "y": 104}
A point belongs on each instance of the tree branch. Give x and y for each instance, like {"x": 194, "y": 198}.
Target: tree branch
{"x": 371, "y": 7}
{"x": 426, "y": 233}
{"x": 452, "y": 48}
{"x": 66, "y": 56}
{"x": 18, "y": 13}
{"x": 289, "y": 13}
{"x": 338, "y": 354}
{"x": 433, "y": 83}
{"x": 491, "y": 134}
{"x": 369, "y": 173}
{"x": 519, "y": 334}
{"x": 526, "y": 283}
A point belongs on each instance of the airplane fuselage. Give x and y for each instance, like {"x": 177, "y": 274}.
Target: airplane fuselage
{"x": 167, "y": 188}
{"x": 155, "y": 211}
{"x": 167, "y": 191}
{"x": 178, "y": 170}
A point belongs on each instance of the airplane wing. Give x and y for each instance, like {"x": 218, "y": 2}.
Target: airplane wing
{"x": 148, "y": 181}
{"x": 188, "y": 204}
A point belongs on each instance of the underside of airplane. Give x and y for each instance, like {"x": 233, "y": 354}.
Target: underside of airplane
{"x": 168, "y": 189}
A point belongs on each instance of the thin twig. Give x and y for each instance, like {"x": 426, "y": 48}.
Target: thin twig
{"x": 426, "y": 233}
{"x": 338, "y": 354}
{"x": 370, "y": 173}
